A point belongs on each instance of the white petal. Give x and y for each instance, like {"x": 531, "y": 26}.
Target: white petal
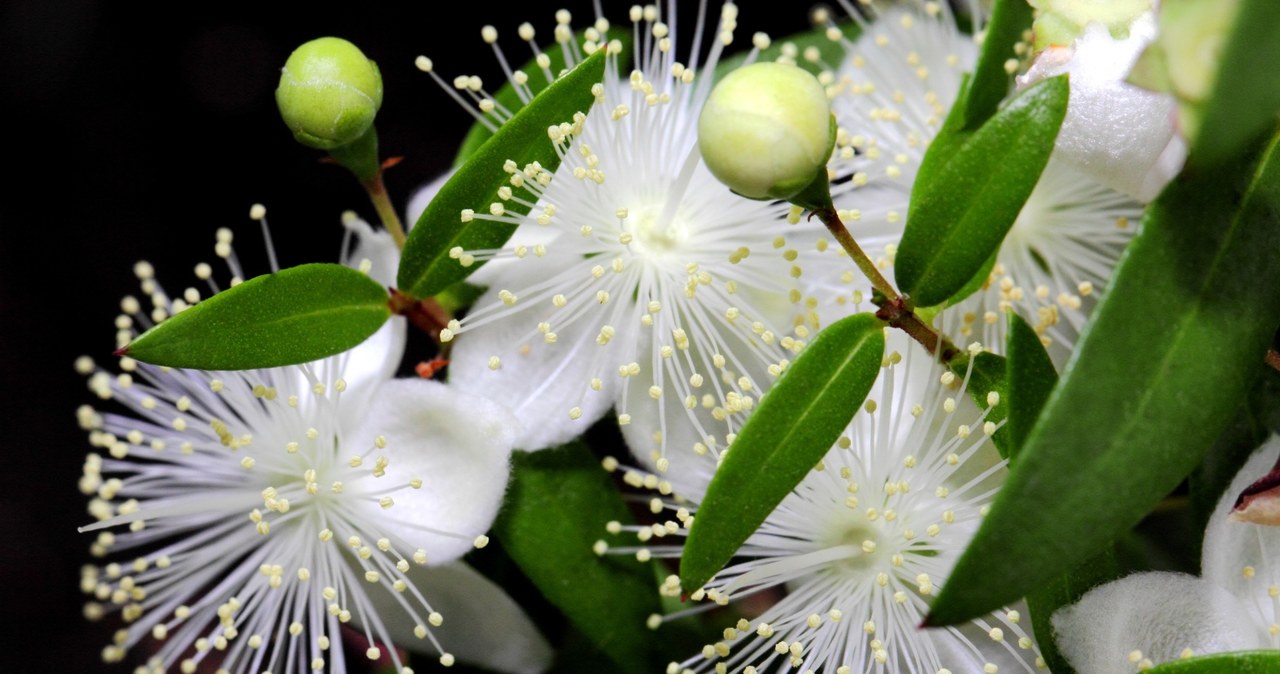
{"x": 482, "y": 625}
{"x": 1244, "y": 558}
{"x": 377, "y": 247}
{"x": 458, "y": 444}
{"x": 1158, "y": 614}
{"x": 1121, "y": 135}
{"x": 541, "y": 384}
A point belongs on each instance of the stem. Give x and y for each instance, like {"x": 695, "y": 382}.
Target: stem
{"x": 427, "y": 315}
{"x": 895, "y": 309}
{"x": 386, "y": 210}
{"x": 836, "y": 226}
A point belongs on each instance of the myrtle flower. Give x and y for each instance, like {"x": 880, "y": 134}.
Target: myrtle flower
{"x": 891, "y": 94}
{"x": 263, "y": 520}
{"x": 637, "y": 281}
{"x": 1149, "y": 618}
{"x": 862, "y": 543}
{"x": 1121, "y": 135}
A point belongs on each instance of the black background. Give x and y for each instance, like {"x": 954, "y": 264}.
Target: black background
{"x": 134, "y": 132}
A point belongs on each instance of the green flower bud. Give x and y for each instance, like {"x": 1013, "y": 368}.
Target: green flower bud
{"x": 329, "y": 93}
{"x": 766, "y": 130}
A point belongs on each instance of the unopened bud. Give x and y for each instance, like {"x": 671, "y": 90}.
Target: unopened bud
{"x": 329, "y": 93}
{"x": 766, "y": 130}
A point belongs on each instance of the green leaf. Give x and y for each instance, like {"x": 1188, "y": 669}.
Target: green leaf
{"x": 556, "y": 509}
{"x": 425, "y": 265}
{"x": 1031, "y": 378}
{"x": 961, "y": 212}
{"x": 507, "y": 97}
{"x": 1156, "y": 377}
{"x": 295, "y": 315}
{"x": 1009, "y": 18}
{"x": 1243, "y": 662}
{"x": 791, "y": 430}
{"x": 1245, "y": 98}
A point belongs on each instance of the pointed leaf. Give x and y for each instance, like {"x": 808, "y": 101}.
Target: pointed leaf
{"x": 425, "y": 265}
{"x": 1156, "y": 377}
{"x": 1031, "y": 378}
{"x": 1244, "y": 662}
{"x": 556, "y": 509}
{"x": 507, "y": 97}
{"x": 1009, "y": 18}
{"x": 961, "y": 212}
{"x": 293, "y": 316}
{"x": 791, "y": 430}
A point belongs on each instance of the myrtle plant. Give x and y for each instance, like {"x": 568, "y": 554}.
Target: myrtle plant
{"x": 868, "y": 349}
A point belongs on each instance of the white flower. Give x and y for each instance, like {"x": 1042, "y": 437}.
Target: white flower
{"x": 864, "y": 541}
{"x": 1149, "y": 618}
{"x": 638, "y": 281}
{"x": 1119, "y": 134}
{"x": 264, "y": 520}
{"x": 891, "y": 95}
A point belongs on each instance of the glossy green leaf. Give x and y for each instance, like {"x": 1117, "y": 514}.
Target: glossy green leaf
{"x": 425, "y": 265}
{"x": 295, "y": 315}
{"x": 1031, "y": 378}
{"x": 961, "y": 211}
{"x": 791, "y": 430}
{"x": 507, "y": 97}
{"x": 1155, "y": 378}
{"x": 557, "y": 507}
{"x": 1245, "y": 99}
{"x": 1009, "y": 18}
{"x": 1243, "y": 662}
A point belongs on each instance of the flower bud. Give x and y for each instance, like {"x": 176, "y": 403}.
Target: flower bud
{"x": 329, "y": 93}
{"x": 766, "y": 130}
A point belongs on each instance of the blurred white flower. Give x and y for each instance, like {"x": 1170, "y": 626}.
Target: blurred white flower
{"x": 637, "y": 281}
{"x": 1119, "y": 134}
{"x": 266, "y": 520}
{"x": 1150, "y": 618}
{"x": 891, "y": 93}
{"x": 852, "y": 556}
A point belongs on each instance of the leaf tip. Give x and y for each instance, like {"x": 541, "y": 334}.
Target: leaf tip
{"x": 122, "y": 351}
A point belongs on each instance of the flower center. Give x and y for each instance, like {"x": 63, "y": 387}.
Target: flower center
{"x": 655, "y": 236}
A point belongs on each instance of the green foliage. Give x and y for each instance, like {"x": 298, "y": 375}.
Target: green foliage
{"x": 791, "y": 430}
{"x": 971, "y": 188}
{"x": 1031, "y": 377}
{"x": 1156, "y": 378}
{"x": 507, "y": 97}
{"x": 425, "y": 265}
{"x": 1244, "y": 662}
{"x": 1009, "y": 18}
{"x": 295, "y": 315}
{"x": 557, "y": 507}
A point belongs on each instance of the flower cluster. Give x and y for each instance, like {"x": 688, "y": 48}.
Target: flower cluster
{"x": 263, "y": 518}
{"x": 662, "y": 274}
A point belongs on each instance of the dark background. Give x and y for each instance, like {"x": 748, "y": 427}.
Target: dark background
{"x": 134, "y": 133}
